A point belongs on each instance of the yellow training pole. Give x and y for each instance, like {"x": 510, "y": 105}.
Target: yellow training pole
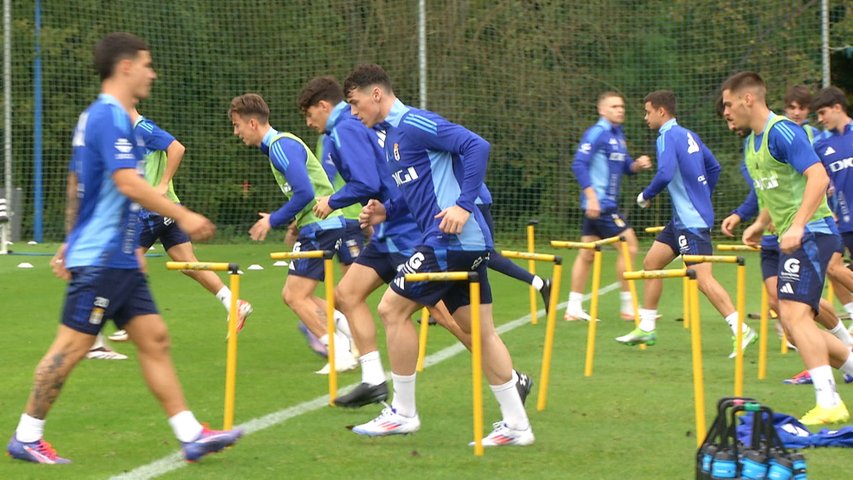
{"x": 783, "y": 349}
{"x": 329, "y": 281}
{"x": 550, "y": 327}
{"x": 531, "y": 267}
{"x": 830, "y": 294}
{"x": 422, "y": 339}
{"x": 696, "y": 347}
{"x": 762, "y": 340}
{"x": 476, "y": 364}
{"x": 685, "y": 293}
{"x": 654, "y": 229}
{"x": 231, "y": 348}
{"x": 632, "y": 286}
{"x": 593, "y": 312}
{"x": 741, "y": 315}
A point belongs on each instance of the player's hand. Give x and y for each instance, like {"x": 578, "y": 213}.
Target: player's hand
{"x": 162, "y": 190}
{"x": 322, "y": 208}
{"x": 259, "y": 230}
{"x": 642, "y": 163}
{"x": 453, "y": 219}
{"x": 642, "y": 202}
{"x": 593, "y": 208}
{"x": 729, "y": 224}
{"x": 57, "y": 263}
{"x": 198, "y": 227}
{"x": 372, "y": 214}
{"x": 752, "y": 235}
{"x": 791, "y": 239}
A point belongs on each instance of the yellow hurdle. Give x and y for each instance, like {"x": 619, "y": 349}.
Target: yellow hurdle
{"x": 476, "y": 342}
{"x": 231, "y": 348}
{"x": 422, "y": 339}
{"x": 329, "y": 282}
{"x": 596, "y": 283}
{"x": 654, "y": 229}
{"x": 740, "y": 305}
{"x": 632, "y": 286}
{"x": 531, "y": 267}
{"x": 695, "y": 337}
{"x": 550, "y": 328}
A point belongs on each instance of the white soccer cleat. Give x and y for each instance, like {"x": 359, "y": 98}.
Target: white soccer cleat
{"x": 389, "y": 422}
{"x": 104, "y": 353}
{"x": 502, "y": 435}
{"x": 119, "y": 336}
{"x": 749, "y": 337}
{"x": 344, "y": 362}
{"x": 573, "y": 315}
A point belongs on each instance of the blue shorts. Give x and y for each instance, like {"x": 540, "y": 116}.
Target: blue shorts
{"x": 160, "y": 228}
{"x": 96, "y": 294}
{"x": 352, "y": 243}
{"x": 802, "y": 273}
{"x": 769, "y": 262}
{"x": 847, "y": 242}
{"x": 318, "y": 240}
{"x": 689, "y": 241}
{"x": 385, "y": 264}
{"x": 455, "y": 294}
{"x": 608, "y": 224}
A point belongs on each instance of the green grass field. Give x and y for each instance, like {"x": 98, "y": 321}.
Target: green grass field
{"x": 633, "y": 418}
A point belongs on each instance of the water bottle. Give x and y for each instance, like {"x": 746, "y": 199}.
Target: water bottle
{"x": 754, "y": 465}
{"x": 799, "y": 466}
{"x": 724, "y": 466}
{"x": 781, "y": 468}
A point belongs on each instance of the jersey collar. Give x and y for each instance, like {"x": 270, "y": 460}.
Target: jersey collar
{"x": 668, "y": 125}
{"x": 268, "y": 137}
{"x": 395, "y": 115}
{"x": 334, "y": 116}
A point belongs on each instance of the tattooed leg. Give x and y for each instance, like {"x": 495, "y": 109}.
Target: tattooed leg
{"x": 64, "y": 354}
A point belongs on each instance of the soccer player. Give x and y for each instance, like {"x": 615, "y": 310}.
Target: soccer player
{"x": 600, "y": 162}
{"x": 835, "y": 149}
{"x": 99, "y": 258}
{"x": 356, "y": 151}
{"x": 439, "y": 167}
{"x": 301, "y": 178}
{"x": 688, "y": 169}
{"x": 790, "y": 183}
{"x": 163, "y": 155}
{"x": 798, "y": 101}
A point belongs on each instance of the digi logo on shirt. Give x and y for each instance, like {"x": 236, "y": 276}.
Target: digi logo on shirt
{"x": 405, "y": 176}
{"x": 839, "y": 165}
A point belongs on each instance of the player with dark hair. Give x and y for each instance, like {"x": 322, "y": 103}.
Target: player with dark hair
{"x": 688, "y": 169}
{"x": 99, "y": 257}
{"x": 797, "y": 102}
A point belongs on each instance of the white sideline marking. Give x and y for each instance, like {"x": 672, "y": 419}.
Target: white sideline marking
{"x": 174, "y": 461}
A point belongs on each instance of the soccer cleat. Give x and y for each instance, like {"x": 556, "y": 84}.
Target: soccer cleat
{"x": 824, "y": 416}
{"x": 802, "y": 378}
{"x": 524, "y": 384}
{"x": 637, "y": 337}
{"x": 389, "y": 422}
{"x": 313, "y": 342}
{"x": 209, "y": 441}
{"x": 119, "y": 336}
{"x": 244, "y": 309}
{"x": 573, "y": 315}
{"x": 344, "y": 361}
{"x": 749, "y": 337}
{"x": 104, "y": 353}
{"x": 37, "y": 452}
{"x": 847, "y": 378}
{"x": 545, "y": 291}
{"x": 363, "y": 394}
{"x": 502, "y": 435}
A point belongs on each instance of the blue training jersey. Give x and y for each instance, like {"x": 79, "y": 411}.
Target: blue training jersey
{"x": 437, "y": 164}
{"x": 835, "y": 150}
{"x": 600, "y": 162}
{"x": 688, "y": 169}
{"x": 106, "y": 230}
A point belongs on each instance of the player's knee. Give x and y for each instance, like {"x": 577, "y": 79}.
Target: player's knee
{"x": 345, "y": 300}
{"x": 387, "y": 313}
{"x": 586, "y": 255}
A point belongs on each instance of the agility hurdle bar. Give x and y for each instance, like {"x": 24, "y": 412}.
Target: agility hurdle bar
{"x": 695, "y": 337}
{"x": 741, "y": 307}
{"x": 596, "y": 284}
{"x": 531, "y": 267}
{"x": 329, "y": 274}
{"x": 551, "y": 325}
{"x": 764, "y": 315}
{"x": 654, "y": 229}
{"x": 231, "y": 348}
{"x": 476, "y": 342}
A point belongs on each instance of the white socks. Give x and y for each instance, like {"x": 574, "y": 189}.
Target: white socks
{"x": 575, "y": 302}
{"x": 404, "y": 394}
{"x": 224, "y": 296}
{"x": 342, "y": 324}
{"x": 627, "y": 303}
{"x": 648, "y": 319}
{"x": 30, "y": 429}
{"x": 537, "y": 283}
{"x": 510, "y": 402}
{"x": 732, "y": 321}
{"x": 842, "y": 334}
{"x": 185, "y": 426}
{"x": 824, "y": 386}
{"x": 99, "y": 341}
{"x": 371, "y": 368}
{"x": 849, "y": 309}
{"x": 847, "y": 367}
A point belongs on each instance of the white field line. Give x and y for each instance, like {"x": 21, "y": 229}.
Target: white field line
{"x": 175, "y": 460}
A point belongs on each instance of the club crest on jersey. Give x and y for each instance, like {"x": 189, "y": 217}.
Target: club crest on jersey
{"x": 397, "y": 152}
